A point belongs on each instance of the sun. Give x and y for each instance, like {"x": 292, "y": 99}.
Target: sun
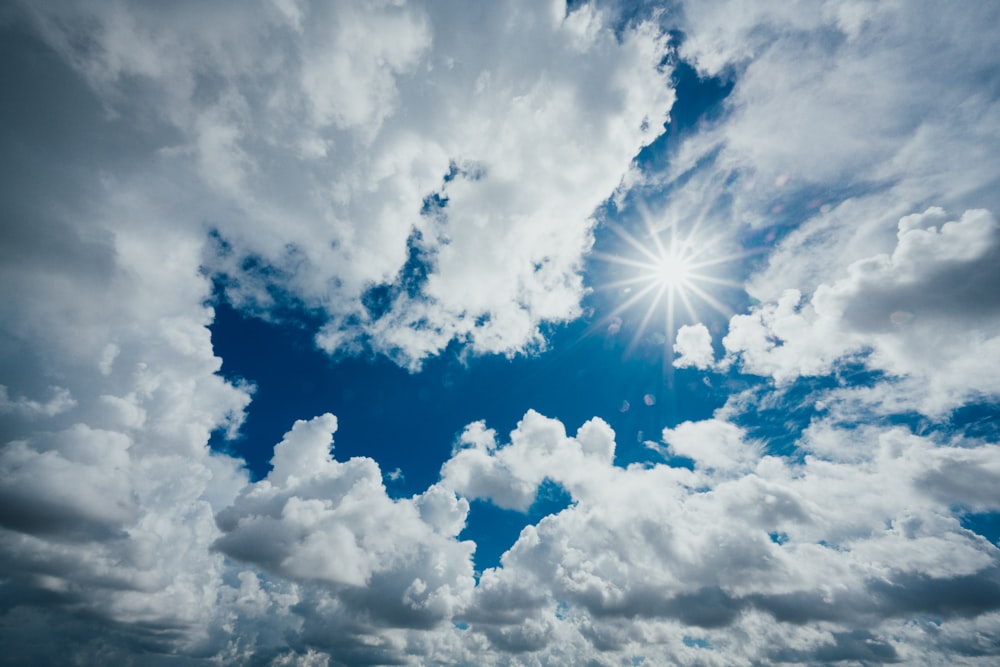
{"x": 672, "y": 271}
{"x": 669, "y": 271}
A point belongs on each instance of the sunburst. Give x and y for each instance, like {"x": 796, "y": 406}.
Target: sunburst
{"x": 669, "y": 268}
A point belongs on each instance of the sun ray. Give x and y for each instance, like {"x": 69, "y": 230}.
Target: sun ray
{"x": 646, "y": 318}
{"x": 688, "y": 306}
{"x": 719, "y": 281}
{"x": 624, "y": 282}
{"x": 627, "y": 261}
{"x": 717, "y": 305}
{"x": 632, "y": 241}
{"x": 625, "y": 305}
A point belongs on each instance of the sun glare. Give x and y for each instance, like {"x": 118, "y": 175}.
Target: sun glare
{"x": 672, "y": 271}
{"x": 669, "y": 271}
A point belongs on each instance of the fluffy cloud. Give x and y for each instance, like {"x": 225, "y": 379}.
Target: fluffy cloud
{"x": 108, "y": 485}
{"x": 111, "y": 394}
{"x": 436, "y": 183}
{"x": 325, "y": 154}
{"x": 315, "y": 519}
{"x": 843, "y": 117}
{"x": 926, "y": 314}
{"x": 712, "y": 444}
{"x": 694, "y": 347}
{"x": 539, "y": 449}
{"x": 423, "y": 173}
{"x": 828, "y": 551}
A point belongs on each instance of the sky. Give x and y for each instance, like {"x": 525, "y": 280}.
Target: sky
{"x": 511, "y": 333}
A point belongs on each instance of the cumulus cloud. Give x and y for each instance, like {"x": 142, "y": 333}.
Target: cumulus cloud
{"x": 109, "y": 487}
{"x": 539, "y": 449}
{"x": 694, "y": 347}
{"x": 432, "y": 186}
{"x": 714, "y": 444}
{"x": 111, "y": 395}
{"x": 925, "y": 313}
{"x": 321, "y": 153}
{"x": 744, "y": 537}
{"x": 319, "y": 520}
{"x": 421, "y": 174}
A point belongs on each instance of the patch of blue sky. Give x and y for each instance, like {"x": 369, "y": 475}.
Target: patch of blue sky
{"x": 383, "y": 411}
{"x": 978, "y": 420}
{"x": 410, "y": 421}
{"x": 780, "y": 423}
{"x": 696, "y": 642}
{"x": 495, "y": 529}
{"x": 986, "y": 524}
{"x": 700, "y": 102}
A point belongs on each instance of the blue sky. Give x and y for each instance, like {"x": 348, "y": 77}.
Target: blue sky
{"x": 499, "y": 334}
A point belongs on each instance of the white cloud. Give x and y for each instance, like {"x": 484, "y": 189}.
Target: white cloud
{"x": 351, "y": 64}
{"x": 926, "y": 313}
{"x": 822, "y": 550}
{"x": 843, "y": 118}
{"x": 310, "y": 137}
{"x": 328, "y": 523}
{"x": 319, "y": 132}
{"x": 539, "y": 448}
{"x": 108, "y": 503}
{"x": 713, "y": 444}
{"x": 111, "y": 395}
{"x": 61, "y": 401}
{"x": 694, "y": 347}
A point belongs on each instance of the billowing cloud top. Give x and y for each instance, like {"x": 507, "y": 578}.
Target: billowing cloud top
{"x": 405, "y": 178}
{"x": 416, "y": 178}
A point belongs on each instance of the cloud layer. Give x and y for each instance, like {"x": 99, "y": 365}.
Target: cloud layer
{"x": 419, "y": 175}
